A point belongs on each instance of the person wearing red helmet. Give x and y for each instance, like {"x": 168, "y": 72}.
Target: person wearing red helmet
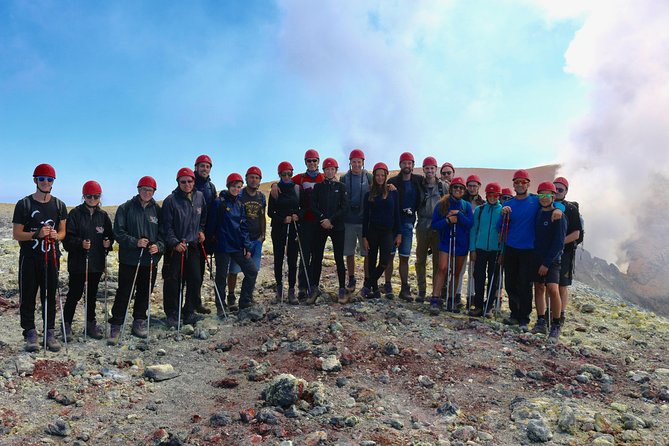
{"x": 38, "y": 224}
{"x": 357, "y": 181}
{"x": 472, "y": 194}
{"x": 183, "y": 225}
{"x": 548, "y": 246}
{"x": 380, "y": 228}
{"x": 507, "y": 194}
{"x": 140, "y": 242}
{"x": 410, "y": 189}
{"x": 227, "y": 230}
{"x": 89, "y": 239}
{"x": 447, "y": 172}
{"x": 427, "y": 239}
{"x": 485, "y": 247}
{"x": 284, "y": 210}
{"x": 254, "y": 203}
{"x": 452, "y": 217}
{"x": 329, "y": 204}
{"x": 203, "y": 183}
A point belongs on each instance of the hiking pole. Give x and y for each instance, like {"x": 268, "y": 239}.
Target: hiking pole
{"x": 46, "y": 245}
{"x": 181, "y": 289}
{"x": 148, "y": 318}
{"x": 106, "y": 288}
{"x": 503, "y": 234}
{"x": 470, "y": 267}
{"x": 304, "y": 265}
{"x": 453, "y": 268}
{"x": 208, "y": 261}
{"x": 60, "y": 302}
{"x": 491, "y": 286}
{"x": 132, "y": 292}
{"x": 285, "y": 266}
{"x": 86, "y": 297}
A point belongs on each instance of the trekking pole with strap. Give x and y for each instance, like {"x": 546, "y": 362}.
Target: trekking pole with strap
{"x": 470, "y": 280}
{"x": 86, "y": 297}
{"x": 285, "y": 264}
{"x": 504, "y": 234}
{"x": 148, "y": 318}
{"x": 106, "y": 288}
{"x": 60, "y": 299}
{"x": 46, "y": 245}
{"x": 453, "y": 268}
{"x": 181, "y": 289}
{"x": 132, "y": 292}
{"x": 208, "y": 261}
{"x": 304, "y": 265}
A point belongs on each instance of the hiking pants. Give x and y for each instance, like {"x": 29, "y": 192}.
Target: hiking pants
{"x": 307, "y": 233}
{"x": 320, "y": 238}
{"x": 279, "y": 245}
{"x": 518, "y": 282}
{"x": 426, "y": 239}
{"x": 32, "y": 278}
{"x": 126, "y": 274}
{"x": 380, "y": 241}
{"x": 77, "y": 285}
{"x": 249, "y": 270}
{"x": 485, "y": 266}
{"x": 191, "y": 280}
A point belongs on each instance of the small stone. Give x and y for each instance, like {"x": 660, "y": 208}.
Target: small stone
{"x": 330, "y": 364}
{"x": 604, "y": 440}
{"x": 316, "y": 438}
{"x": 448, "y": 409}
{"x": 396, "y": 424}
{"x": 187, "y": 330}
{"x": 588, "y": 308}
{"x": 593, "y": 370}
{"x": 464, "y": 433}
{"x": 161, "y": 352}
{"x": 537, "y": 431}
{"x": 253, "y": 313}
{"x": 341, "y": 381}
{"x": 391, "y": 349}
{"x": 59, "y": 428}
{"x": 284, "y": 391}
{"x": 219, "y": 419}
{"x": 268, "y": 415}
{"x": 425, "y": 381}
{"x": 620, "y": 407}
{"x": 583, "y": 379}
{"x": 567, "y": 420}
{"x": 25, "y": 365}
{"x": 247, "y": 415}
{"x": 160, "y": 372}
{"x": 535, "y": 374}
{"x": 519, "y": 373}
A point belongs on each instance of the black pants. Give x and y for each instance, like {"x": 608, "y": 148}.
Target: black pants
{"x": 248, "y": 268}
{"x": 485, "y": 266}
{"x": 126, "y": 274}
{"x": 279, "y": 244}
{"x": 191, "y": 280}
{"x": 380, "y": 246}
{"x": 32, "y": 277}
{"x": 320, "y": 238}
{"x": 307, "y": 233}
{"x": 518, "y": 282}
{"x": 77, "y": 284}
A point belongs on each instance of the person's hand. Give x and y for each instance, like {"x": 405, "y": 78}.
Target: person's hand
{"x": 288, "y": 220}
{"x": 200, "y": 237}
{"x": 142, "y": 242}
{"x": 295, "y": 217}
{"x": 543, "y": 270}
{"x": 53, "y": 234}
{"x": 86, "y": 244}
{"x": 325, "y": 224}
{"x": 557, "y": 215}
{"x": 153, "y": 249}
{"x": 500, "y": 260}
{"x": 274, "y": 191}
{"x": 365, "y": 243}
{"x": 472, "y": 256}
{"x": 453, "y": 212}
{"x": 247, "y": 254}
{"x": 398, "y": 240}
{"x": 391, "y": 187}
{"x": 181, "y": 247}
{"x": 106, "y": 243}
{"x": 506, "y": 210}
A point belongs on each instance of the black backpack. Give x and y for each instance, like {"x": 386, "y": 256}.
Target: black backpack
{"x": 580, "y": 217}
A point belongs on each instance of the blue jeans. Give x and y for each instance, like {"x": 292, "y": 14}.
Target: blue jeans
{"x": 256, "y": 254}
{"x": 248, "y": 268}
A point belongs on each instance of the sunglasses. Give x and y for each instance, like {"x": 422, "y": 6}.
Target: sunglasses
{"x": 506, "y": 197}
{"x": 49, "y": 179}
{"x": 458, "y": 187}
{"x": 520, "y": 182}
{"x": 311, "y": 160}
{"x": 560, "y": 189}
{"x": 444, "y": 173}
{"x": 286, "y": 174}
{"x": 186, "y": 181}
{"x": 92, "y": 196}
{"x": 146, "y": 189}
{"x": 548, "y": 195}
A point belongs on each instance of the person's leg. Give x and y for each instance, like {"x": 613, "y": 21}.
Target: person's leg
{"x": 422, "y": 246}
{"x": 250, "y": 272}
{"x": 172, "y": 278}
{"x": 525, "y": 275}
{"x": 440, "y": 276}
{"x": 193, "y": 280}
{"x": 307, "y": 234}
{"x": 566, "y": 277}
{"x": 319, "y": 239}
{"x": 141, "y": 304}
{"x": 292, "y": 250}
{"x": 350, "y": 238}
{"x": 76, "y": 285}
{"x": 375, "y": 270}
{"x": 480, "y": 276}
{"x": 29, "y": 283}
{"x": 278, "y": 245}
{"x": 386, "y": 239}
{"x": 337, "y": 238}
{"x": 511, "y": 281}
{"x": 93, "y": 285}
{"x": 222, "y": 268}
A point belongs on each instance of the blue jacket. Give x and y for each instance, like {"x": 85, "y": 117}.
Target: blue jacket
{"x": 520, "y": 234}
{"x": 227, "y": 227}
{"x": 462, "y": 227}
{"x": 549, "y": 237}
{"x": 485, "y": 232}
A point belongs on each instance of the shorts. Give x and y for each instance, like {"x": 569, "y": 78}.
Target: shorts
{"x": 406, "y": 229}
{"x": 256, "y": 254}
{"x": 567, "y": 268}
{"x": 353, "y": 236}
{"x": 552, "y": 276}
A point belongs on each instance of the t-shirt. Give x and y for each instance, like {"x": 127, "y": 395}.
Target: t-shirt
{"x": 255, "y": 212}
{"x": 34, "y": 217}
{"x": 408, "y": 212}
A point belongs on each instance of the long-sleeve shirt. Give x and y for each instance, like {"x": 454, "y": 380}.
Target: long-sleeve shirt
{"x": 459, "y": 230}
{"x": 381, "y": 212}
{"x": 485, "y": 230}
{"x": 549, "y": 237}
{"x": 287, "y": 203}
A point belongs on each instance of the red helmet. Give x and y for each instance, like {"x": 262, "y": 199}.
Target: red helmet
{"x": 44, "y": 170}
{"x": 185, "y": 172}
{"x": 493, "y": 188}
{"x": 357, "y": 153}
{"x": 547, "y": 185}
{"x": 311, "y": 153}
{"x": 507, "y": 191}
{"x": 284, "y": 166}
{"x": 430, "y": 161}
{"x": 330, "y": 162}
{"x": 521, "y": 175}
{"x": 232, "y": 178}
{"x": 378, "y": 166}
{"x": 407, "y": 156}
{"x": 563, "y": 181}
{"x": 448, "y": 165}
{"x": 203, "y": 159}
{"x": 91, "y": 187}
{"x": 474, "y": 178}
{"x": 147, "y": 181}
{"x": 253, "y": 170}
{"x": 457, "y": 181}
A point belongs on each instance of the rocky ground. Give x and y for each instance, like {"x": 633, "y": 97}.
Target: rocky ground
{"x": 367, "y": 373}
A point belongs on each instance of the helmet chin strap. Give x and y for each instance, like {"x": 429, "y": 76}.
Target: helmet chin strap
{"x": 45, "y": 192}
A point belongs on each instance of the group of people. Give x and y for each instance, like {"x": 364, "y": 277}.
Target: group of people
{"x": 529, "y": 239}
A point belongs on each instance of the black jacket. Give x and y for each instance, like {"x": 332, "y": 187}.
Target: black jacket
{"x": 287, "y": 203}
{"x": 183, "y": 218}
{"x": 82, "y": 225}
{"x": 419, "y": 187}
{"x": 330, "y": 201}
{"x": 132, "y": 222}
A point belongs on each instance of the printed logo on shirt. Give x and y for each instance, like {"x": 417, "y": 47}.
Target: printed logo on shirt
{"x": 198, "y": 210}
{"x": 153, "y": 219}
{"x": 99, "y": 229}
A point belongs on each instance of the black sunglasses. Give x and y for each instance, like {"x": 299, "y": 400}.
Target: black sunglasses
{"x": 92, "y": 196}
{"x": 49, "y": 179}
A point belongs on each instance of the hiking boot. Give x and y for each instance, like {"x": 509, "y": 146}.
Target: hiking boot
{"x": 452, "y": 307}
{"x": 476, "y": 312}
{"x": 139, "y": 328}
{"x": 32, "y": 345}
{"x": 421, "y": 296}
{"x": 388, "y": 290}
{"x": 171, "y": 322}
{"x": 202, "y": 309}
{"x": 376, "y": 294}
{"x": 292, "y": 299}
{"x": 231, "y": 300}
{"x": 93, "y": 330}
{"x": 67, "y": 334}
{"x": 302, "y": 294}
{"x": 245, "y": 304}
{"x": 405, "y": 293}
{"x": 343, "y": 298}
{"x": 540, "y": 327}
{"x": 523, "y": 327}
{"x": 52, "y": 343}
{"x": 458, "y": 302}
{"x": 436, "y": 305}
{"x": 115, "y": 334}
{"x": 554, "y": 336}
{"x": 313, "y": 296}
{"x": 192, "y": 319}
{"x": 221, "y": 313}
{"x": 350, "y": 286}
{"x": 510, "y": 321}
{"x": 364, "y": 292}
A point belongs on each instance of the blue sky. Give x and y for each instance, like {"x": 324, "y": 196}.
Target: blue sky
{"x": 113, "y": 91}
